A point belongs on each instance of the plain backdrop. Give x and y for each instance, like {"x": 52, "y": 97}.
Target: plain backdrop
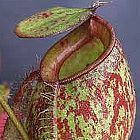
{"x": 17, "y": 56}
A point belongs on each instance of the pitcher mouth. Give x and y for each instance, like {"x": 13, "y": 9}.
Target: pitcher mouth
{"x": 99, "y": 60}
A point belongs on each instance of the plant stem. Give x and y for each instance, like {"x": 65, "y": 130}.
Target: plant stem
{"x": 13, "y": 118}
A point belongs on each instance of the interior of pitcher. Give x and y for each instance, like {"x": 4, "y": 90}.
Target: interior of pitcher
{"x": 77, "y": 51}
{"x": 87, "y": 54}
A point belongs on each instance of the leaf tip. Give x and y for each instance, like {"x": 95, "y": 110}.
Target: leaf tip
{"x": 19, "y": 32}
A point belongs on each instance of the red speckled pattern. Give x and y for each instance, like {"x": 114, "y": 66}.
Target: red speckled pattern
{"x": 100, "y": 104}
{"x": 95, "y": 104}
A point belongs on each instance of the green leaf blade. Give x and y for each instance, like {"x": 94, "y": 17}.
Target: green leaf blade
{"x": 51, "y": 22}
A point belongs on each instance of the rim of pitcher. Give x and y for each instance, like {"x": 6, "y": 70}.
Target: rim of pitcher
{"x": 99, "y": 60}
